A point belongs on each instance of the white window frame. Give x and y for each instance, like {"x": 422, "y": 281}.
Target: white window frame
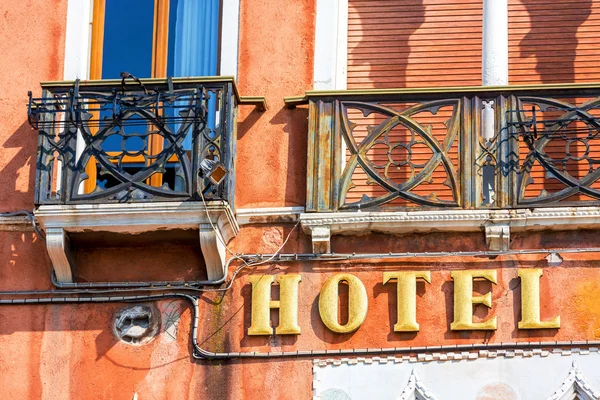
{"x": 79, "y": 35}
{"x": 331, "y": 45}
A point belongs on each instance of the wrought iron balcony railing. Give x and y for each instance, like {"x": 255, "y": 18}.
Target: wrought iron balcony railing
{"x": 453, "y": 148}
{"x": 142, "y": 141}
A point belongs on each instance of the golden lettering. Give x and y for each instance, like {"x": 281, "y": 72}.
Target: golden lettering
{"x": 530, "y": 301}
{"x": 262, "y": 305}
{"x": 357, "y": 303}
{"x": 407, "y": 298}
{"x": 464, "y": 300}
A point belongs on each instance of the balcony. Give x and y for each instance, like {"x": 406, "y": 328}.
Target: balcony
{"x": 135, "y": 156}
{"x": 454, "y": 159}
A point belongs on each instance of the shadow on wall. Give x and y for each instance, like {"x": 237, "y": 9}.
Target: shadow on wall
{"x": 387, "y": 68}
{"x": 16, "y": 193}
{"x": 552, "y": 39}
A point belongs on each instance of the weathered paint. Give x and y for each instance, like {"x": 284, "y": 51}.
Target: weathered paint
{"x": 59, "y": 352}
{"x": 69, "y": 351}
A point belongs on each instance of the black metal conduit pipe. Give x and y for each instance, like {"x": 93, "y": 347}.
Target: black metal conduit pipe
{"x": 202, "y": 354}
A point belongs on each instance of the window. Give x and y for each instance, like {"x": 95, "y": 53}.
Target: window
{"x": 155, "y": 38}
{"x": 150, "y": 39}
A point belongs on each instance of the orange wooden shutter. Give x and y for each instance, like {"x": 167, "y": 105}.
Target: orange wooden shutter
{"x": 554, "y": 41}
{"x": 414, "y": 43}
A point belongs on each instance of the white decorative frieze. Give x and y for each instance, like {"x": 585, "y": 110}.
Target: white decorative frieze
{"x": 575, "y": 387}
{"x": 500, "y": 222}
{"x": 523, "y": 374}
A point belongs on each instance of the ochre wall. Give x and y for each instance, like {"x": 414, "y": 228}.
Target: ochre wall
{"x": 70, "y": 351}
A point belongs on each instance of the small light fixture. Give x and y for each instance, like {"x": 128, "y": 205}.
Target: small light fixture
{"x": 554, "y": 259}
{"x": 213, "y": 170}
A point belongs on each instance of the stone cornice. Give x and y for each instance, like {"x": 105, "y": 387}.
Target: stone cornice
{"x": 271, "y": 215}
{"x": 137, "y": 217}
{"x": 453, "y": 220}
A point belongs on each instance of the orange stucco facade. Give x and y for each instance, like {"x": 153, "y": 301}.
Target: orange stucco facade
{"x": 69, "y": 351}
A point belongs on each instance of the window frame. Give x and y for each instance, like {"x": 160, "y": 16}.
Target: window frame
{"x": 84, "y": 40}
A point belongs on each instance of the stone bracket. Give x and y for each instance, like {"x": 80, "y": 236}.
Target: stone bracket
{"x": 321, "y": 239}
{"x": 59, "y": 250}
{"x": 213, "y": 250}
{"x": 497, "y": 237}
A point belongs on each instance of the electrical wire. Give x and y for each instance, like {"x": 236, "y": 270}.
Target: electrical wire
{"x": 30, "y": 216}
{"x": 245, "y": 264}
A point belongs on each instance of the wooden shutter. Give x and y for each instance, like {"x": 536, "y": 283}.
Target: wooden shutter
{"x": 414, "y": 43}
{"x": 554, "y": 41}
{"x": 411, "y": 43}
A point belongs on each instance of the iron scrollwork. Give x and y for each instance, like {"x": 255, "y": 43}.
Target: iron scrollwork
{"x": 418, "y": 172}
{"x": 130, "y": 144}
{"x": 560, "y": 138}
{"x": 488, "y": 149}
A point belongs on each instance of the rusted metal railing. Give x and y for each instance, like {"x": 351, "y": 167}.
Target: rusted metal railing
{"x": 142, "y": 141}
{"x": 459, "y": 148}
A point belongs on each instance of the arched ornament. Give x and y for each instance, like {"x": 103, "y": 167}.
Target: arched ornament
{"x": 575, "y": 387}
{"x": 415, "y": 390}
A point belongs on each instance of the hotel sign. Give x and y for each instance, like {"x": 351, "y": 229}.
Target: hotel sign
{"x": 406, "y": 316}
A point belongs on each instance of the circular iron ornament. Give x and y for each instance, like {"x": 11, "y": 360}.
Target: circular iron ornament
{"x": 379, "y": 135}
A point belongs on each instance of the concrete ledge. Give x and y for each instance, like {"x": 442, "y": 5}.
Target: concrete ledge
{"x": 136, "y": 218}
{"x": 357, "y": 223}
{"x": 273, "y": 215}
{"x": 15, "y": 224}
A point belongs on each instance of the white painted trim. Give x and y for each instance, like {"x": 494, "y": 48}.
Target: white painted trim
{"x": 331, "y": 45}
{"x": 230, "y": 32}
{"x": 495, "y": 43}
{"x": 78, "y": 42}
{"x": 351, "y": 223}
{"x": 246, "y": 216}
{"x": 541, "y": 350}
{"x": 415, "y": 389}
{"x": 497, "y": 224}
{"x": 575, "y": 386}
{"x": 575, "y": 379}
{"x": 78, "y": 39}
{"x": 138, "y": 217}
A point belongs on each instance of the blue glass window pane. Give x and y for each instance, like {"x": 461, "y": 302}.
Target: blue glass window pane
{"x": 193, "y": 37}
{"x": 128, "y": 29}
{"x": 193, "y": 45}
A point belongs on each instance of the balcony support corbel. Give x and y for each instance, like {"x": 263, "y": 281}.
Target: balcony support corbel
{"x": 213, "y": 251}
{"x": 215, "y": 220}
{"x": 497, "y": 237}
{"x": 59, "y": 250}
{"x": 321, "y": 239}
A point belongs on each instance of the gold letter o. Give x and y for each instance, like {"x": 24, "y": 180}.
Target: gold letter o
{"x": 358, "y": 303}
